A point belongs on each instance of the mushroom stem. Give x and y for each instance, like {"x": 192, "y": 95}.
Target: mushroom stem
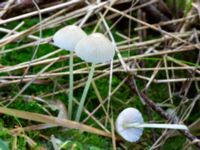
{"x": 152, "y": 125}
{"x": 71, "y": 85}
{"x": 82, "y": 101}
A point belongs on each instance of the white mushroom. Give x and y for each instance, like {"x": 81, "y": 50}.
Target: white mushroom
{"x": 130, "y": 125}
{"x": 67, "y": 38}
{"x": 95, "y": 48}
{"x": 128, "y": 116}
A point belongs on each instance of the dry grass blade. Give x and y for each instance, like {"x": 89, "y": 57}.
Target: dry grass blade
{"x": 59, "y": 6}
{"x": 52, "y": 120}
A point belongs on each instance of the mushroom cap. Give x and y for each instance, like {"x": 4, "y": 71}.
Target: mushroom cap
{"x": 67, "y": 37}
{"x": 95, "y": 48}
{"x": 128, "y": 116}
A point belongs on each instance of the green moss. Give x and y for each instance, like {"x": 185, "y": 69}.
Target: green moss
{"x": 170, "y": 143}
{"x": 85, "y": 140}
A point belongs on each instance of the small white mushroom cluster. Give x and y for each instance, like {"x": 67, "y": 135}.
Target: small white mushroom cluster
{"x": 130, "y": 125}
{"x": 94, "y": 48}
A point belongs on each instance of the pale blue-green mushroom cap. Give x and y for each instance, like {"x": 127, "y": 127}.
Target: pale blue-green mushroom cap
{"x": 95, "y": 48}
{"x": 129, "y": 116}
{"x": 67, "y": 37}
